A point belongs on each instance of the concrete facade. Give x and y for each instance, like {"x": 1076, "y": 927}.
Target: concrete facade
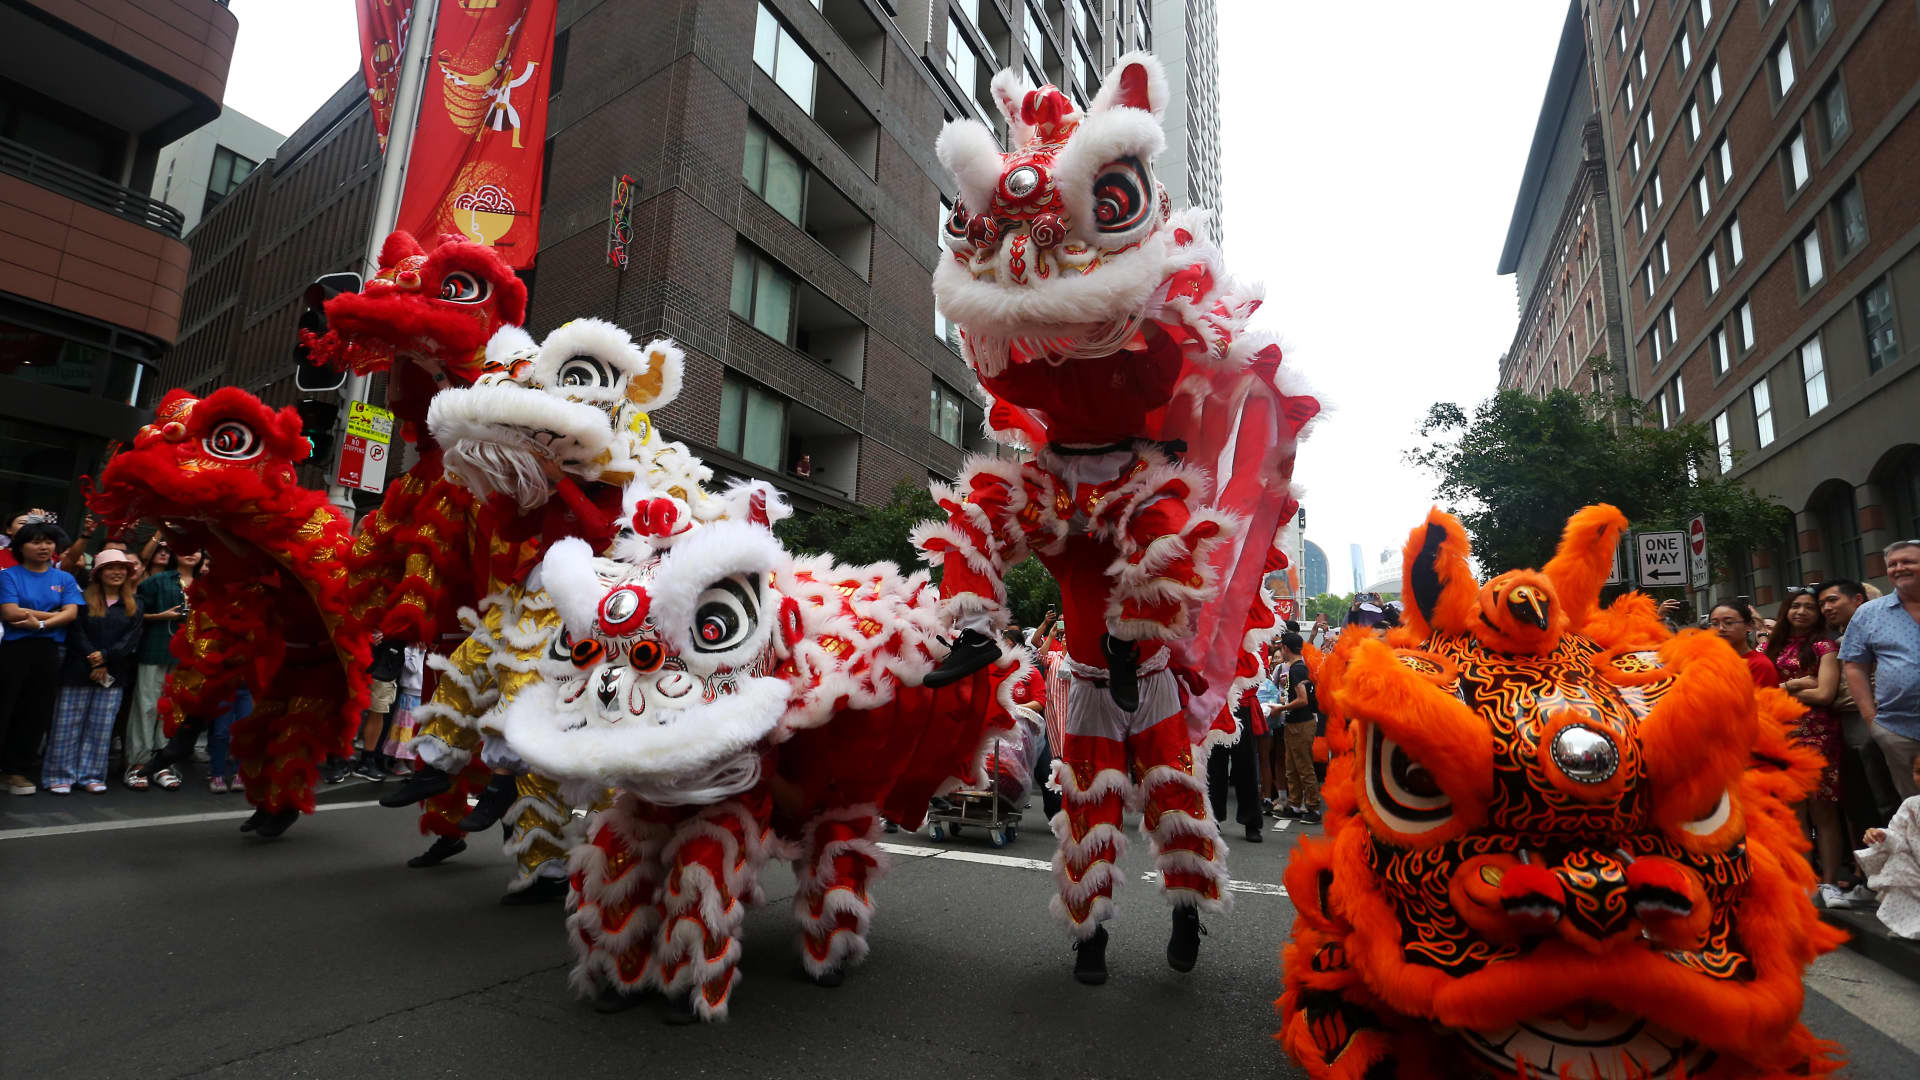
{"x": 184, "y": 168}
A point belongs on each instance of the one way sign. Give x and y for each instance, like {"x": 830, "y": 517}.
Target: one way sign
{"x": 1663, "y": 558}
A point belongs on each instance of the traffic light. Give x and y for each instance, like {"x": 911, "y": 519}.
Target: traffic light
{"x": 318, "y": 417}
{"x": 310, "y": 376}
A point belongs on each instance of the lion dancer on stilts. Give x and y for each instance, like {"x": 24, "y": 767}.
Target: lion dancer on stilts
{"x": 1112, "y": 346}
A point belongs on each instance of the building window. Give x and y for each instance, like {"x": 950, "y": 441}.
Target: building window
{"x": 1782, "y": 68}
{"x": 1711, "y": 267}
{"x": 1812, "y": 271}
{"x": 1633, "y": 151}
{"x": 1592, "y": 332}
{"x": 753, "y": 421}
{"x": 1659, "y": 193}
{"x": 1666, "y": 265}
{"x": 1686, "y": 49}
{"x": 1659, "y": 353}
{"x": 1640, "y": 62}
{"x": 1702, "y": 198}
{"x": 1640, "y": 214}
{"x": 1850, "y": 218}
{"x": 229, "y": 169}
{"x": 1660, "y": 399}
{"x": 1629, "y": 90}
{"x": 1679, "y": 398}
{"x": 774, "y": 173}
{"x": 1819, "y": 19}
{"x": 1646, "y": 126}
{"x": 1746, "y": 325}
{"x": 1797, "y": 168}
{"x": 945, "y": 411}
{"x": 1036, "y": 37}
{"x": 1693, "y": 122}
{"x": 785, "y": 61}
{"x": 1649, "y": 269}
{"x": 1620, "y": 36}
{"x": 1833, "y": 114}
{"x": 962, "y": 62}
{"x": 1723, "y": 442}
{"x": 1813, "y": 374}
{"x": 1876, "y": 311}
{"x": 1713, "y": 84}
{"x": 1673, "y": 326}
{"x": 1721, "y": 361}
{"x": 1738, "y": 249}
{"x": 1724, "y": 154}
{"x": 1762, "y": 413}
{"x": 763, "y": 294}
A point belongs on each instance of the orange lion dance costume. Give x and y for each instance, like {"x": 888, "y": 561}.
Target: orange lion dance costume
{"x": 1559, "y": 841}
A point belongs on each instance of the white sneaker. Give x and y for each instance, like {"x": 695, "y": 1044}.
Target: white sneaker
{"x": 1832, "y": 898}
{"x": 1861, "y": 897}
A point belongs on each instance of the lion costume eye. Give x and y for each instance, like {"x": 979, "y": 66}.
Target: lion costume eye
{"x": 1403, "y": 792}
{"x": 1122, "y": 197}
{"x": 724, "y": 615}
{"x": 232, "y": 441}
{"x": 954, "y": 230}
{"x": 584, "y": 371}
{"x": 460, "y": 287}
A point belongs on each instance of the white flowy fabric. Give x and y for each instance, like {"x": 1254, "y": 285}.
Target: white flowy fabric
{"x": 1893, "y": 869}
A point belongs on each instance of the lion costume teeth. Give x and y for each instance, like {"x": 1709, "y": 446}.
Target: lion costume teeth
{"x": 1558, "y": 841}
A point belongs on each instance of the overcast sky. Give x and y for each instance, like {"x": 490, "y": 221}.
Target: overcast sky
{"x": 1370, "y": 169}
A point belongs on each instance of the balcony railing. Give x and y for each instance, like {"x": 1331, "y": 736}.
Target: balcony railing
{"x": 53, "y": 174}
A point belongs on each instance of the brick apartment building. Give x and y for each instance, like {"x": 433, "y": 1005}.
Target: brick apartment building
{"x": 1764, "y": 166}
{"x": 91, "y": 269}
{"x": 785, "y": 227}
{"x": 1560, "y": 242}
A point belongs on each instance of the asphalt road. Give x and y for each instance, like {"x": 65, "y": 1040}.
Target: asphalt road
{"x": 145, "y": 937}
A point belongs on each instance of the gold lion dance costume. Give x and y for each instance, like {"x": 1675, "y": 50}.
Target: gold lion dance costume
{"x": 1559, "y": 841}
{"x": 1113, "y": 345}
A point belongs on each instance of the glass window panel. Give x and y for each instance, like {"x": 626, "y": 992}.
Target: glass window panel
{"x": 773, "y": 301}
{"x": 1813, "y": 372}
{"x": 742, "y": 299}
{"x": 1763, "y": 412}
{"x": 1702, "y": 200}
{"x": 1734, "y": 241}
{"x": 1679, "y": 398}
{"x": 795, "y": 73}
{"x": 1810, "y": 258}
{"x": 1834, "y": 106}
{"x": 1726, "y": 163}
{"x": 1746, "y": 326}
{"x": 1713, "y": 84}
{"x": 764, "y": 429}
{"x": 786, "y": 182}
{"x": 1853, "y": 219}
{"x": 1822, "y": 18}
{"x": 1783, "y": 65}
{"x": 753, "y": 164}
{"x": 732, "y": 404}
{"x": 1713, "y": 272}
{"x": 1693, "y": 121}
{"x": 1876, "y": 307}
{"x": 950, "y": 419}
{"x": 1723, "y": 441}
{"x": 1720, "y": 359}
{"x": 766, "y": 40}
{"x": 1797, "y": 158}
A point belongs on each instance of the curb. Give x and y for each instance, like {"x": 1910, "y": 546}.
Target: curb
{"x": 1870, "y": 938}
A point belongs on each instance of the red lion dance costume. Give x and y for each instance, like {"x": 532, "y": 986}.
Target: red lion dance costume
{"x": 1559, "y": 841}
{"x": 1113, "y": 345}
{"x": 219, "y": 473}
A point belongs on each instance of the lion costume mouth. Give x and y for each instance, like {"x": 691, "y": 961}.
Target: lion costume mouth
{"x": 1589, "y": 1041}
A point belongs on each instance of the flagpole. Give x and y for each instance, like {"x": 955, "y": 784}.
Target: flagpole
{"x": 408, "y": 93}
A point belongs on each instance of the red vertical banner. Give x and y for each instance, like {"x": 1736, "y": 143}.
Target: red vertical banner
{"x": 475, "y": 163}
{"x": 383, "y": 37}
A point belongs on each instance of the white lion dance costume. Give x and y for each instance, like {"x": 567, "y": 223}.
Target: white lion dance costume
{"x": 1112, "y": 344}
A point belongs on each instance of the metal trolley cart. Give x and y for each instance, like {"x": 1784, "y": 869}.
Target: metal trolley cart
{"x": 1008, "y": 765}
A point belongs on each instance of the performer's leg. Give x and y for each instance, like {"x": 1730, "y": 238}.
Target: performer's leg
{"x": 1185, "y": 839}
{"x": 1092, "y": 773}
{"x": 838, "y": 862}
{"x": 712, "y": 863}
{"x": 615, "y": 886}
{"x": 983, "y": 535}
{"x": 537, "y": 828}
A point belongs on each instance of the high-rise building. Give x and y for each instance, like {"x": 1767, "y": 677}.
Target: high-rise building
{"x": 1187, "y": 41}
{"x": 196, "y": 172}
{"x": 91, "y": 268}
{"x": 1314, "y": 575}
{"x": 1763, "y": 153}
{"x": 1359, "y": 567}
{"x": 785, "y": 229}
{"x": 1560, "y": 241}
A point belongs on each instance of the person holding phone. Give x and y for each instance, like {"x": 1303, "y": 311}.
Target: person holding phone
{"x": 99, "y": 661}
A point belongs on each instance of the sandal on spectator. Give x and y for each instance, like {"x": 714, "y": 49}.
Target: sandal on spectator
{"x": 135, "y": 780}
{"x": 60, "y": 789}
{"x": 167, "y": 779}
{"x": 95, "y": 787}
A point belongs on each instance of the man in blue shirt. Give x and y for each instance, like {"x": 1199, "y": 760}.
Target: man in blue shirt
{"x": 37, "y": 602}
{"x": 1882, "y": 660}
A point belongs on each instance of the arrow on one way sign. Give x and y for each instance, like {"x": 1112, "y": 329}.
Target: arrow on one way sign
{"x": 1662, "y": 557}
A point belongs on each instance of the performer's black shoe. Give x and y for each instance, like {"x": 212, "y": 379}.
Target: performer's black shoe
{"x": 543, "y": 890}
{"x": 268, "y": 825}
{"x": 680, "y": 1010}
{"x": 177, "y": 749}
{"x": 1183, "y": 948}
{"x": 829, "y": 978}
{"x": 1090, "y": 958}
{"x": 1123, "y": 671}
{"x": 1254, "y": 836}
{"x": 424, "y": 784}
{"x": 444, "y": 848}
{"x": 971, "y": 651}
{"x": 611, "y": 999}
{"x": 495, "y": 800}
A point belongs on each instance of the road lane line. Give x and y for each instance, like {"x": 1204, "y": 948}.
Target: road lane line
{"x": 145, "y": 823}
{"x": 910, "y": 850}
{"x": 916, "y": 851}
{"x": 991, "y": 859}
{"x": 1258, "y": 888}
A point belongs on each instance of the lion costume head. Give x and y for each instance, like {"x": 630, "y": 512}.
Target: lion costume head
{"x": 1559, "y": 840}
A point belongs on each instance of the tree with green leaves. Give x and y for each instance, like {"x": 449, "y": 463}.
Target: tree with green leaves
{"x": 881, "y": 534}
{"x": 1333, "y": 605}
{"x": 1519, "y": 466}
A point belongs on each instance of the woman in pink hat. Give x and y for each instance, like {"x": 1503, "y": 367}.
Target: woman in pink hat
{"x": 94, "y": 674}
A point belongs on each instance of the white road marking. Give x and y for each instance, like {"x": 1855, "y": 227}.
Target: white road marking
{"x": 917, "y": 851}
{"x": 144, "y": 823}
